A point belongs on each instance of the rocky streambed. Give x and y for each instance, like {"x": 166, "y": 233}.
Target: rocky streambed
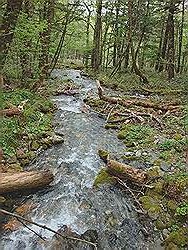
{"x": 104, "y": 215}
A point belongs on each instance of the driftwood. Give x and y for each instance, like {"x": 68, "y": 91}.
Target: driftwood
{"x": 128, "y": 103}
{"x": 126, "y": 172}
{"x": 10, "y": 112}
{"x": 24, "y": 180}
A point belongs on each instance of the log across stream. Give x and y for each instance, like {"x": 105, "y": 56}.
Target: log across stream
{"x": 73, "y": 202}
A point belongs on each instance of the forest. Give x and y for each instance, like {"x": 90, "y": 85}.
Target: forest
{"x": 94, "y": 124}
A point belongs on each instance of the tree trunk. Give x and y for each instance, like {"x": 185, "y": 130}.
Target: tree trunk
{"x": 96, "y": 54}
{"x": 7, "y": 28}
{"x": 48, "y": 13}
{"x": 171, "y": 49}
{"x": 160, "y": 48}
{"x": 116, "y": 34}
{"x": 164, "y": 46}
{"x": 137, "y": 71}
{"x": 24, "y": 181}
{"x": 87, "y": 38}
{"x": 25, "y": 57}
{"x": 181, "y": 37}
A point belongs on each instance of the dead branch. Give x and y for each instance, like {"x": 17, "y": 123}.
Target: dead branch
{"x": 47, "y": 228}
{"x": 136, "y": 102}
{"x": 123, "y": 184}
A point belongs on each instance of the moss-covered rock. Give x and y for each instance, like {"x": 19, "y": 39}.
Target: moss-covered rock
{"x": 178, "y": 237}
{"x": 151, "y": 205}
{"x": 102, "y": 178}
{"x": 103, "y": 154}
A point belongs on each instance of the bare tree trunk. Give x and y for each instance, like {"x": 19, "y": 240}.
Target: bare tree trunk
{"x": 160, "y": 47}
{"x": 116, "y": 34}
{"x": 171, "y": 50}
{"x": 181, "y": 37}
{"x": 25, "y": 57}
{"x": 135, "y": 67}
{"x": 96, "y": 54}
{"x": 48, "y": 13}
{"x": 7, "y": 28}
{"x": 164, "y": 46}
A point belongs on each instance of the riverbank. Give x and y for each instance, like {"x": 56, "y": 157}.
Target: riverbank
{"x": 155, "y": 140}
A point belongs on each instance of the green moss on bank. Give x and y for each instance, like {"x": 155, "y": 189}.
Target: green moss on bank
{"x": 35, "y": 120}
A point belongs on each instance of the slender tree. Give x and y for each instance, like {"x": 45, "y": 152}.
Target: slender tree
{"x": 8, "y": 25}
{"x": 96, "y": 53}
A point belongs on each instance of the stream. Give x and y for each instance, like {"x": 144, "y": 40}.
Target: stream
{"x": 106, "y": 212}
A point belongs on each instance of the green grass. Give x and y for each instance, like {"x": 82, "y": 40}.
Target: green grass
{"x": 35, "y": 120}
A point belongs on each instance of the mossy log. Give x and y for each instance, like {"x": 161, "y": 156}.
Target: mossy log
{"x": 136, "y": 102}
{"x": 126, "y": 172}
{"x": 24, "y": 181}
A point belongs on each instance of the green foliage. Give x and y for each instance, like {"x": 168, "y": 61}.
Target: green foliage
{"x": 169, "y": 144}
{"x": 33, "y": 122}
{"x": 136, "y": 135}
{"x": 182, "y": 209}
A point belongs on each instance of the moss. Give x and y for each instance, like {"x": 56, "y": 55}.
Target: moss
{"x": 158, "y": 186}
{"x": 94, "y": 102}
{"x": 102, "y": 178}
{"x": 133, "y": 135}
{"x": 178, "y": 237}
{"x": 151, "y": 204}
{"x": 111, "y": 126}
{"x": 154, "y": 172}
{"x": 32, "y": 123}
{"x": 171, "y": 205}
{"x": 163, "y": 221}
{"x": 2, "y": 200}
{"x": 103, "y": 154}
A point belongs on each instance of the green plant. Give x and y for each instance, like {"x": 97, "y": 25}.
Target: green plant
{"x": 182, "y": 209}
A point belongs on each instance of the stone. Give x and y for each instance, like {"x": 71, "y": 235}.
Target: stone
{"x": 57, "y": 139}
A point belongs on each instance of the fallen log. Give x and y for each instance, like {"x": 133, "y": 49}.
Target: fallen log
{"x": 24, "y": 181}
{"x": 10, "y": 112}
{"x": 126, "y": 172}
{"x": 123, "y": 171}
{"x": 136, "y": 102}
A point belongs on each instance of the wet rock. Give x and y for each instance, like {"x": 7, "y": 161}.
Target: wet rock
{"x": 57, "y": 139}
{"x": 90, "y": 235}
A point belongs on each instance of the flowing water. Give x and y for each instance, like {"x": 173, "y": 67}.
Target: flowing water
{"x": 72, "y": 200}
